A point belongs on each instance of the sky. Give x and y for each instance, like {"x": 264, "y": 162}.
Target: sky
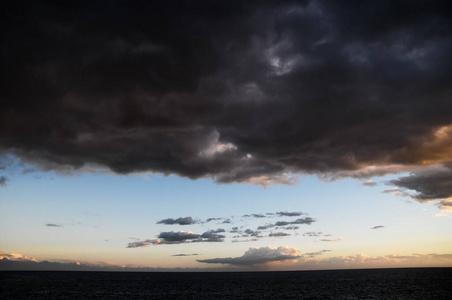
{"x": 225, "y": 135}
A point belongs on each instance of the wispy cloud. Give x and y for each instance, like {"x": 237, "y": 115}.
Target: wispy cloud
{"x": 377, "y": 227}
{"x": 333, "y": 240}
{"x": 53, "y": 225}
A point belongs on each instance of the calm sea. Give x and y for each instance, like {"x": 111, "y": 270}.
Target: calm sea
{"x": 423, "y": 283}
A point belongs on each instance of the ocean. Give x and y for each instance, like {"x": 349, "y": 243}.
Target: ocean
{"x": 412, "y": 283}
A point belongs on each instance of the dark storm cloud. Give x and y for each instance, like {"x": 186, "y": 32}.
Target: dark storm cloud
{"x": 239, "y": 91}
{"x": 178, "y": 221}
{"x": 430, "y": 184}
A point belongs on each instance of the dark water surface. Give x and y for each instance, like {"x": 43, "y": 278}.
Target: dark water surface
{"x": 423, "y": 283}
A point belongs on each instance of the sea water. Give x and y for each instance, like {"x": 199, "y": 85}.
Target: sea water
{"x": 416, "y": 283}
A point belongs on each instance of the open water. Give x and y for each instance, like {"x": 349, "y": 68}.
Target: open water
{"x": 422, "y": 283}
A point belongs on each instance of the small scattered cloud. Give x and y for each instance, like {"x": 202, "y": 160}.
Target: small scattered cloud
{"x": 278, "y": 234}
{"x": 312, "y": 233}
{"x": 377, "y": 227}
{"x": 53, "y": 225}
{"x": 249, "y": 232}
{"x": 3, "y": 180}
{"x": 307, "y": 220}
{"x": 289, "y": 214}
{"x": 244, "y": 241}
{"x": 227, "y": 221}
{"x": 333, "y": 240}
{"x": 212, "y": 219}
{"x": 291, "y": 227}
{"x": 193, "y": 254}
{"x": 140, "y": 244}
{"x": 178, "y": 221}
{"x": 314, "y": 254}
{"x": 395, "y": 191}
{"x": 256, "y": 256}
{"x": 254, "y": 216}
{"x": 370, "y": 183}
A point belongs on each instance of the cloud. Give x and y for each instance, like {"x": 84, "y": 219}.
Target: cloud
{"x": 370, "y": 183}
{"x": 434, "y": 183}
{"x": 212, "y": 236}
{"x": 3, "y": 180}
{"x": 278, "y": 234}
{"x": 314, "y": 254}
{"x": 307, "y": 220}
{"x": 213, "y": 219}
{"x": 53, "y": 225}
{"x": 289, "y": 214}
{"x": 180, "y": 237}
{"x": 178, "y": 221}
{"x": 140, "y": 244}
{"x": 194, "y": 254}
{"x": 333, "y": 240}
{"x": 256, "y": 256}
{"x": 377, "y": 227}
{"x": 361, "y": 261}
{"x": 249, "y": 232}
{"x": 290, "y": 87}
{"x": 254, "y": 216}
{"x": 16, "y": 257}
{"x": 313, "y": 233}
{"x": 177, "y": 237}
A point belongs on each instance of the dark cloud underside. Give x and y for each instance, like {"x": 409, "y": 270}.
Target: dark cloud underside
{"x": 234, "y": 90}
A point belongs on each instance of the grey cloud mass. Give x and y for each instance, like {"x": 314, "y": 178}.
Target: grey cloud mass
{"x": 236, "y": 91}
{"x": 178, "y": 221}
{"x": 255, "y": 256}
{"x": 430, "y": 184}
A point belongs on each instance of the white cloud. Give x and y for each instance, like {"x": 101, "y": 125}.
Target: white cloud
{"x": 256, "y": 256}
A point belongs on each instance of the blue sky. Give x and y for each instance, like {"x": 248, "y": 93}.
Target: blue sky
{"x": 93, "y": 217}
